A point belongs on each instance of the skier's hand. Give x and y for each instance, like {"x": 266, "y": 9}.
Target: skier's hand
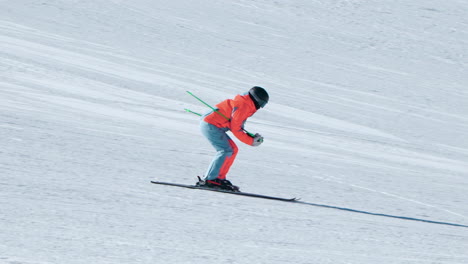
{"x": 258, "y": 139}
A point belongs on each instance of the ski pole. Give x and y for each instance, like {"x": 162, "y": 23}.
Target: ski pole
{"x": 215, "y": 110}
{"x": 212, "y": 108}
{"x": 190, "y": 111}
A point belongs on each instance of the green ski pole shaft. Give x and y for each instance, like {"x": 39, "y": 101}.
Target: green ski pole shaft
{"x": 215, "y": 110}
{"x": 190, "y": 111}
{"x": 212, "y": 108}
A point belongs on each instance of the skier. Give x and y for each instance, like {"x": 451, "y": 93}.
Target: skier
{"x": 230, "y": 114}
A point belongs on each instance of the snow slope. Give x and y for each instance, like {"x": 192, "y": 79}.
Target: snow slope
{"x": 367, "y": 123}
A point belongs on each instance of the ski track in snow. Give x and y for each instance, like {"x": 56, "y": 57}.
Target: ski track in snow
{"x": 368, "y": 115}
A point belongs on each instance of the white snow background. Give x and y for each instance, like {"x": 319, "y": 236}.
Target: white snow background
{"x": 368, "y": 111}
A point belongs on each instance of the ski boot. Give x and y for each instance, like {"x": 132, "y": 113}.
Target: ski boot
{"x": 218, "y": 184}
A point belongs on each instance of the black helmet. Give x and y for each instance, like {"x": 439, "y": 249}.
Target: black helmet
{"x": 259, "y": 96}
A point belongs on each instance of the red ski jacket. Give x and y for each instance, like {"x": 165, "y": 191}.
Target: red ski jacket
{"x": 237, "y": 110}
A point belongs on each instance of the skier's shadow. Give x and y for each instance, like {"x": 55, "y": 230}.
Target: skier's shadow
{"x": 379, "y": 214}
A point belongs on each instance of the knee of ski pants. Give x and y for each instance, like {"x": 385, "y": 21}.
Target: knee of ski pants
{"x": 230, "y": 150}
{"x": 234, "y": 148}
{"x": 218, "y": 138}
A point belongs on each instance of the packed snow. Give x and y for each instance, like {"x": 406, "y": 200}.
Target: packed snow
{"x": 367, "y": 124}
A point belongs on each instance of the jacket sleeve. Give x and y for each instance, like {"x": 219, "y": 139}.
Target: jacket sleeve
{"x": 238, "y": 118}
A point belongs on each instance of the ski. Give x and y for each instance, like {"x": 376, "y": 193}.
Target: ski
{"x": 254, "y": 195}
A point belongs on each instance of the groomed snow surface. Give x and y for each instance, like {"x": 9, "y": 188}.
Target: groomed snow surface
{"x": 367, "y": 122}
